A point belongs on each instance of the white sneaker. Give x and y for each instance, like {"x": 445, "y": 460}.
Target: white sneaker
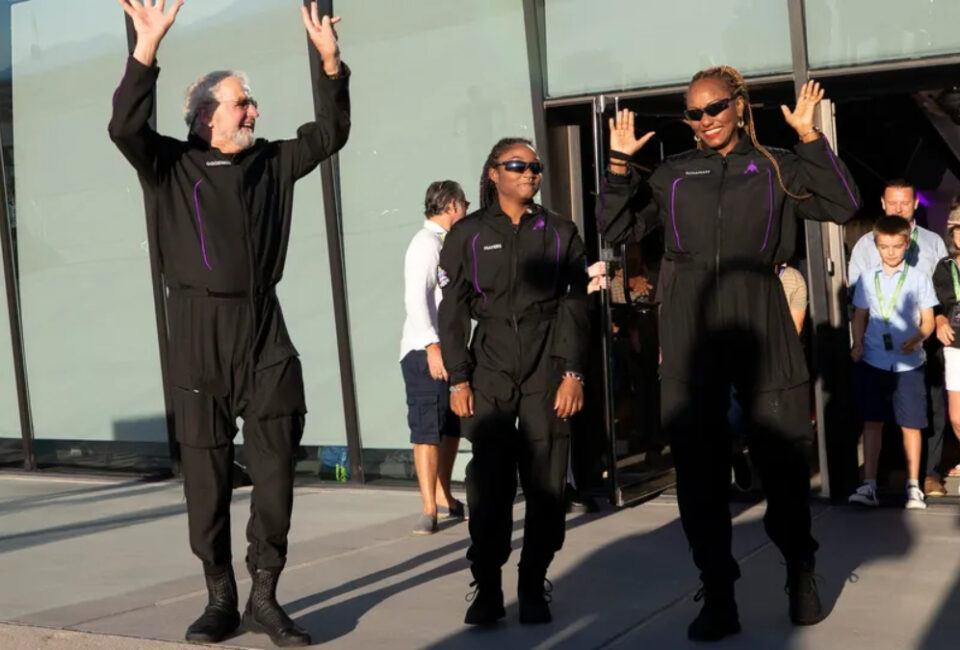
{"x": 915, "y": 499}
{"x": 865, "y": 495}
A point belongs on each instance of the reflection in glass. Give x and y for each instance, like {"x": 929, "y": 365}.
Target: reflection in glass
{"x": 621, "y": 44}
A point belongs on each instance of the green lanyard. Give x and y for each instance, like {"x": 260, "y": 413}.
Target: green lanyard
{"x": 888, "y": 312}
{"x": 956, "y": 280}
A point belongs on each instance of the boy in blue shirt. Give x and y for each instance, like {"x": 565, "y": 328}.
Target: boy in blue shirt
{"x": 893, "y": 315}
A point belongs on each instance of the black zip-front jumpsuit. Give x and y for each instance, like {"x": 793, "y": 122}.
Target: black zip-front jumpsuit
{"x": 525, "y": 286}
{"x": 223, "y": 224}
{"x": 724, "y": 321}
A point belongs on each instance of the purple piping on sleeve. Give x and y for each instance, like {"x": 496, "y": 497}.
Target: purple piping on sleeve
{"x": 770, "y": 214}
{"x": 673, "y": 215}
{"x": 196, "y": 205}
{"x": 476, "y": 270}
{"x": 836, "y": 168}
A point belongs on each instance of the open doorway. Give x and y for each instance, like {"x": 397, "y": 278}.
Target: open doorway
{"x": 635, "y": 458}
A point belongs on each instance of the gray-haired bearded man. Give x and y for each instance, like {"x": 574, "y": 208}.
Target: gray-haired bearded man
{"x": 222, "y": 203}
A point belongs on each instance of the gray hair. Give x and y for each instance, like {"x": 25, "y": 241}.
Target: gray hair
{"x": 439, "y": 195}
{"x": 202, "y": 92}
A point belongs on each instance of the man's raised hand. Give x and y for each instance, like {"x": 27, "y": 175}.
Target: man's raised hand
{"x": 151, "y": 24}
{"x": 324, "y": 37}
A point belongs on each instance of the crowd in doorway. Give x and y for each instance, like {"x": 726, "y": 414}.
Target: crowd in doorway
{"x": 904, "y": 284}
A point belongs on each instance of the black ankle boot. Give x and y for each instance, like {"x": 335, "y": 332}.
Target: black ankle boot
{"x": 533, "y": 593}
{"x": 263, "y": 613}
{"x": 719, "y": 617}
{"x": 220, "y": 617}
{"x": 486, "y": 607}
{"x": 805, "y": 607}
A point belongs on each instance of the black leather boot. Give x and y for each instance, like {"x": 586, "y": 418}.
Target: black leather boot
{"x": 533, "y": 594}
{"x": 805, "y": 607}
{"x": 263, "y": 613}
{"x": 719, "y": 617}
{"x": 486, "y": 607}
{"x": 220, "y": 618}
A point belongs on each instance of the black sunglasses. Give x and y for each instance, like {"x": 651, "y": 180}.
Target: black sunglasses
{"x": 712, "y": 109}
{"x": 520, "y": 166}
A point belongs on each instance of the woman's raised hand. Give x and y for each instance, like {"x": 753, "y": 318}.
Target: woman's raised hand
{"x": 801, "y": 117}
{"x": 622, "y": 137}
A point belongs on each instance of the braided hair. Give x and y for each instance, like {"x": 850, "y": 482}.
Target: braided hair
{"x": 488, "y": 190}
{"x": 738, "y": 88}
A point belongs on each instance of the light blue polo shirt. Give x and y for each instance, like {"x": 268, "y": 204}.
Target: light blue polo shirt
{"x": 917, "y": 293}
{"x": 928, "y": 251}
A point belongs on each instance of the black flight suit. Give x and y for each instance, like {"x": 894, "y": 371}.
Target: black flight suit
{"x": 725, "y": 322}
{"x": 525, "y": 286}
{"x": 223, "y": 224}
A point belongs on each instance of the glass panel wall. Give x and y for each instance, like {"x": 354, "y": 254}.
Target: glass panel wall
{"x": 229, "y": 35}
{"x": 435, "y": 85}
{"x": 853, "y": 32}
{"x": 11, "y": 445}
{"x": 89, "y": 327}
{"x": 621, "y": 44}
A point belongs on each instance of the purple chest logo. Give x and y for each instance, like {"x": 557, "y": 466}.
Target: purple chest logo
{"x": 752, "y": 168}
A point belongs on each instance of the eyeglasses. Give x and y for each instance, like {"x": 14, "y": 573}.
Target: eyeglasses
{"x": 520, "y": 166}
{"x": 712, "y": 109}
{"x": 243, "y": 103}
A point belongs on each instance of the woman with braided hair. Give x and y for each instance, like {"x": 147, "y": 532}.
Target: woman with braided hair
{"x": 729, "y": 210}
{"x": 518, "y": 271}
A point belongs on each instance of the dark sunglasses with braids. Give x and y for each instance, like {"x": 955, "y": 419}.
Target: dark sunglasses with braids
{"x": 488, "y": 190}
{"x": 738, "y": 89}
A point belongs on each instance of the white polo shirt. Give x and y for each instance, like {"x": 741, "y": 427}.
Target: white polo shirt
{"x": 421, "y": 290}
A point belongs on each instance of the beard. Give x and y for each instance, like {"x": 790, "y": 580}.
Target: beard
{"x": 243, "y": 138}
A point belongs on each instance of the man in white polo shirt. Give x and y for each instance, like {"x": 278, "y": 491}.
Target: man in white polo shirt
{"x": 434, "y": 429}
{"x": 925, "y": 250}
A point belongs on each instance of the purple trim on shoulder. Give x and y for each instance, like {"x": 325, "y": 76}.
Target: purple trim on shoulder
{"x": 673, "y": 214}
{"x": 476, "y": 270}
{"x": 196, "y": 205}
{"x": 836, "y": 168}
{"x": 770, "y": 213}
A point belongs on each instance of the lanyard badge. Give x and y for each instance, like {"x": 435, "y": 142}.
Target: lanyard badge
{"x": 886, "y": 311}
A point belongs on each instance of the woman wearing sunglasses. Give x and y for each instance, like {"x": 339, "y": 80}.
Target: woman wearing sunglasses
{"x": 729, "y": 210}
{"x": 519, "y": 272}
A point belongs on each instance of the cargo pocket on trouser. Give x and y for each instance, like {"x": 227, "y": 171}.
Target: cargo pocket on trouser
{"x": 278, "y": 391}
{"x": 423, "y": 416}
{"x": 199, "y": 419}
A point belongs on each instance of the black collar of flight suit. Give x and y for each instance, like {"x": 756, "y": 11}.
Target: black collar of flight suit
{"x": 501, "y": 222}
{"x": 743, "y": 146}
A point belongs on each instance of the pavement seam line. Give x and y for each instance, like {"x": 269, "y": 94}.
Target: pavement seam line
{"x": 682, "y": 598}
{"x": 240, "y": 581}
{"x": 115, "y": 635}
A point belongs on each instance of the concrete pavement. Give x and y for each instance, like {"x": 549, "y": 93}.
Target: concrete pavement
{"x": 105, "y": 564}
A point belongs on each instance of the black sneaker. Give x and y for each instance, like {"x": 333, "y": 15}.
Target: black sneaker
{"x": 534, "y": 593}
{"x": 718, "y": 618}
{"x": 486, "y": 600}
{"x": 801, "y": 587}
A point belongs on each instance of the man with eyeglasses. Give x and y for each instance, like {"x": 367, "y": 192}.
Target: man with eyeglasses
{"x": 220, "y": 205}
{"x": 925, "y": 250}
